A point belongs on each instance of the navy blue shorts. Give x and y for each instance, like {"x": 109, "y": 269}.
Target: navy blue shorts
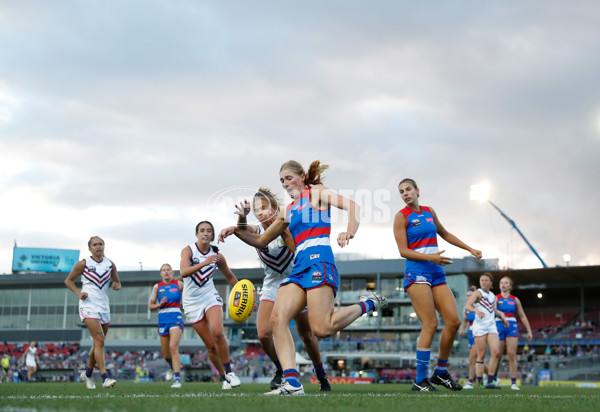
{"x": 431, "y": 279}
{"x": 512, "y": 331}
{"x": 315, "y": 276}
{"x": 166, "y": 323}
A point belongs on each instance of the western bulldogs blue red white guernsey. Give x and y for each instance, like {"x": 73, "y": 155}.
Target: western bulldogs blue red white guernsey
{"x": 169, "y": 314}
{"x": 421, "y": 236}
{"x": 314, "y": 264}
{"x": 95, "y": 281}
{"x": 509, "y": 307}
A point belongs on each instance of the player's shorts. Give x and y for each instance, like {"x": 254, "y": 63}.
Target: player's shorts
{"x": 482, "y": 329}
{"x": 510, "y": 331}
{"x": 270, "y": 287}
{"x": 268, "y": 292}
{"x": 315, "y": 276}
{"x": 89, "y": 312}
{"x": 30, "y": 362}
{"x": 196, "y": 311}
{"x": 471, "y": 338}
{"x": 431, "y": 279}
{"x": 168, "y": 321}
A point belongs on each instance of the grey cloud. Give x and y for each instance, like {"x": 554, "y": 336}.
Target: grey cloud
{"x": 159, "y": 102}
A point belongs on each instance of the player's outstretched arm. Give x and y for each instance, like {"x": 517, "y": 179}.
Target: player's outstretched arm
{"x": 453, "y": 240}
{"x": 253, "y": 239}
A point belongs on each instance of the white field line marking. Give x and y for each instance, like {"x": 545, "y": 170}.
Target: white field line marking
{"x": 234, "y": 395}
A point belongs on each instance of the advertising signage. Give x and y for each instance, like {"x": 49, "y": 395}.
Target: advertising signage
{"x": 27, "y": 260}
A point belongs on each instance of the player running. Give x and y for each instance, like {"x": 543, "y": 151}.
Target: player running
{"x": 96, "y": 273}
{"x": 31, "y": 360}
{"x": 166, "y": 296}
{"x": 202, "y": 304}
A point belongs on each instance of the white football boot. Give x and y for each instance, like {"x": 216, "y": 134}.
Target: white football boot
{"x": 109, "y": 383}
{"x": 233, "y": 379}
{"x": 379, "y": 301}
{"x": 89, "y": 383}
{"x": 287, "y": 390}
{"x": 169, "y": 375}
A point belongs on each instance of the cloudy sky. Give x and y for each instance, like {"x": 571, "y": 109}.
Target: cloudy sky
{"x": 135, "y": 120}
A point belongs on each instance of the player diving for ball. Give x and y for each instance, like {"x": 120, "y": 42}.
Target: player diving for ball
{"x": 314, "y": 279}
{"x": 277, "y": 259}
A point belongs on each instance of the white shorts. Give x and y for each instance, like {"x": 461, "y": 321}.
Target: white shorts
{"x": 197, "y": 311}
{"x": 30, "y": 362}
{"x": 88, "y": 312}
{"x": 484, "y": 329}
{"x": 270, "y": 287}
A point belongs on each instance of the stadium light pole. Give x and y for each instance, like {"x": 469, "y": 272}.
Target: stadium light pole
{"x": 482, "y": 192}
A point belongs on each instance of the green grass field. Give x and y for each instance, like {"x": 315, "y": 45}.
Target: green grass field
{"x": 209, "y": 397}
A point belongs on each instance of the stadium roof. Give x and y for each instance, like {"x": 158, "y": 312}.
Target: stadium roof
{"x": 557, "y": 277}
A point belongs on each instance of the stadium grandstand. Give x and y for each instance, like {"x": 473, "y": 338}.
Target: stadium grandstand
{"x": 561, "y": 304}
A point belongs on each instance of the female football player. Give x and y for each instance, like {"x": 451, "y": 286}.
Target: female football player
{"x": 166, "y": 296}
{"x": 31, "y": 360}
{"x": 314, "y": 279}
{"x": 483, "y": 303}
{"x": 415, "y": 229}
{"x": 202, "y": 304}
{"x": 277, "y": 260}
{"x": 511, "y": 306}
{"x": 96, "y": 271}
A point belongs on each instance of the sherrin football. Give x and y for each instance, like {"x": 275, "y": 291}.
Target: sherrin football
{"x": 241, "y": 300}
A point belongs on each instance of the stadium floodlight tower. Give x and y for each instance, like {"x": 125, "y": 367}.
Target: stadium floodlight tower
{"x": 482, "y": 192}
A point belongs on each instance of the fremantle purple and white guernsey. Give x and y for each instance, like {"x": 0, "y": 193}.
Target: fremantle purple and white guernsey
{"x": 486, "y": 304}
{"x": 276, "y": 257}
{"x": 95, "y": 282}
{"x": 200, "y": 283}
